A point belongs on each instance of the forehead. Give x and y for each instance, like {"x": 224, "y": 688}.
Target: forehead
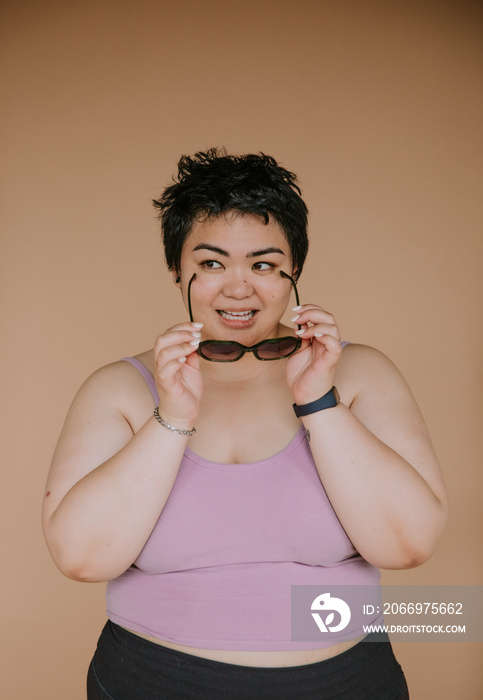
{"x": 235, "y": 232}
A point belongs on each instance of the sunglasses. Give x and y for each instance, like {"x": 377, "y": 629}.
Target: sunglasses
{"x": 231, "y": 350}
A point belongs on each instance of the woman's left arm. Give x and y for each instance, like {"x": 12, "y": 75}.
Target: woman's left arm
{"x": 373, "y": 454}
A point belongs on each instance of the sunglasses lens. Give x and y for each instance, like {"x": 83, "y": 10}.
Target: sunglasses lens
{"x": 220, "y": 352}
{"x": 274, "y": 350}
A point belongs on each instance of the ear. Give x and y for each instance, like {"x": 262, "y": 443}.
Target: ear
{"x": 295, "y": 274}
{"x": 176, "y": 278}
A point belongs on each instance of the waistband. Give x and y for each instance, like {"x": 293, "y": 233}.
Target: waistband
{"x": 128, "y": 667}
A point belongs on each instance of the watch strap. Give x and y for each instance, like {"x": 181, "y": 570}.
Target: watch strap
{"x": 328, "y": 400}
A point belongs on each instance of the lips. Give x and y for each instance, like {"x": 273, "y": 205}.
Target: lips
{"x": 237, "y": 315}
{"x": 237, "y": 320}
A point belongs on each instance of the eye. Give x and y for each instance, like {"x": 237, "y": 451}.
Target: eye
{"x": 263, "y": 266}
{"x": 211, "y": 265}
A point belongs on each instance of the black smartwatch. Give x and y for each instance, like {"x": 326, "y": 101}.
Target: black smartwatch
{"x": 328, "y": 400}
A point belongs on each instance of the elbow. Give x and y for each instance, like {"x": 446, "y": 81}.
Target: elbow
{"x": 71, "y": 563}
{"x": 77, "y": 571}
{"x": 85, "y": 567}
{"x": 62, "y": 555}
{"x": 425, "y": 547}
{"x": 411, "y": 558}
{"x": 76, "y": 560}
{"x": 404, "y": 556}
{"x": 74, "y": 568}
{"x": 82, "y": 572}
{"x": 408, "y": 548}
{"x": 418, "y": 551}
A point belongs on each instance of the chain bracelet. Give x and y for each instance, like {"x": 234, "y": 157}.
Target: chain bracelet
{"x": 179, "y": 431}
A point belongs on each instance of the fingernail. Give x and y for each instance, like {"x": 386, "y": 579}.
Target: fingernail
{"x": 195, "y": 334}
{"x": 300, "y": 331}
{"x": 195, "y": 343}
{"x": 182, "y": 359}
{"x": 295, "y": 318}
{"x": 296, "y": 308}
{"x": 198, "y": 325}
{"x": 318, "y": 335}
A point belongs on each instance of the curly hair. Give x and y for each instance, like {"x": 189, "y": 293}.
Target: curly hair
{"x": 213, "y": 182}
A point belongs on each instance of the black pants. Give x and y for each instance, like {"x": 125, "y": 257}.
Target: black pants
{"x": 127, "y": 667}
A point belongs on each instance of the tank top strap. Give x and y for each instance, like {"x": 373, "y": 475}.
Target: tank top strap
{"x": 146, "y": 374}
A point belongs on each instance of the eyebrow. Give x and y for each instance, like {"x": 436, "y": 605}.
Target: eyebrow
{"x": 253, "y": 254}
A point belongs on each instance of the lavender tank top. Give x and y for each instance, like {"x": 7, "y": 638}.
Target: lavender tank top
{"x": 217, "y": 569}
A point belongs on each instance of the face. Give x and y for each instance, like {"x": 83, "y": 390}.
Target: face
{"x": 238, "y": 293}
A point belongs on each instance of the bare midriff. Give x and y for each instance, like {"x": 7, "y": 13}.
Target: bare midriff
{"x": 258, "y": 658}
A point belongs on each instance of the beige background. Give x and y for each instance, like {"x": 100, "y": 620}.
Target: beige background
{"x": 376, "y": 105}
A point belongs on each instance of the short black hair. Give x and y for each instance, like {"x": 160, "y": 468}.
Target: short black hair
{"x": 212, "y": 182}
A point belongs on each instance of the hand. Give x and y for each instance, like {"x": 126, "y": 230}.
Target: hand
{"x": 311, "y": 370}
{"x": 177, "y": 374}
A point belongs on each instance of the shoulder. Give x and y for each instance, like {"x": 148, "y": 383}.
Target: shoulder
{"x": 119, "y": 386}
{"x": 111, "y": 380}
{"x": 377, "y": 393}
{"x": 363, "y": 369}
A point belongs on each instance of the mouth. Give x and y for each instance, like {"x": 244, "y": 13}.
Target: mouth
{"x": 238, "y": 319}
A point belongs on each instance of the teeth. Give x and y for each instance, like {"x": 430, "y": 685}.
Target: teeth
{"x": 239, "y": 315}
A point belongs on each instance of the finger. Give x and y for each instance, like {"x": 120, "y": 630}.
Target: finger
{"x": 331, "y": 344}
{"x": 319, "y": 330}
{"x": 312, "y": 314}
{"x": 166, "y": 373}
{"x": 180, "y": 327}
{"x": 185, "y": 326}
{"x": 177, "y": 352}
{"x": 175, "y": 337}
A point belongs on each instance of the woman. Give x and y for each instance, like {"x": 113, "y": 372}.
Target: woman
{"x": 250, "y": 477}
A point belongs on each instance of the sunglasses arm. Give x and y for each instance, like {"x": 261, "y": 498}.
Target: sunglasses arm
{"x": 284, "y": 274}
{"x": 189, "y": 298}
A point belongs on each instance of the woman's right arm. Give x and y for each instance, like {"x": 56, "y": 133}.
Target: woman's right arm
{"x": 107, "y": 486}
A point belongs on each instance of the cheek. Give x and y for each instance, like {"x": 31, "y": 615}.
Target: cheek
{"x": 203, "y": 288}
{"x": 207, "y": 284}
{"x": 203, "y": 299}
{"x": 278, "y": 298}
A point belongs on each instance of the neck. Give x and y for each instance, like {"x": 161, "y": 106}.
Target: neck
{"x": 241, "y": 374}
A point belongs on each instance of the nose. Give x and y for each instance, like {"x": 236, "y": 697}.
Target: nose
{"x": 238, "y": 286}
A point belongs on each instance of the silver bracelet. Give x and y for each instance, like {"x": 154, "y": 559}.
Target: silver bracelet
{"x": 171, "y": 427}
